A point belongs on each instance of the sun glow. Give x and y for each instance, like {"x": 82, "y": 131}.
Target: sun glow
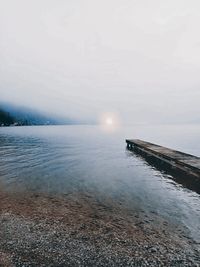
{"x": 109, "y": 122}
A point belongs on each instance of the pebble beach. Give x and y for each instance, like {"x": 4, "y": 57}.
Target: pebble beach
{"x": 78, "y": 230}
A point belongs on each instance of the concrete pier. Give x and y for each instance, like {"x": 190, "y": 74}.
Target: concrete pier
{"x": 186, "y": 164}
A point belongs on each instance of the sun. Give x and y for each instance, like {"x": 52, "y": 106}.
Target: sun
{"x": 109, "y": 121}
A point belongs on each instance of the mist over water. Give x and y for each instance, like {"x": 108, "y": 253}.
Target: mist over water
{"x": 89, "y": 160}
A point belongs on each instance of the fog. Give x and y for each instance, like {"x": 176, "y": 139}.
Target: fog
{"x": 137, "y": 59}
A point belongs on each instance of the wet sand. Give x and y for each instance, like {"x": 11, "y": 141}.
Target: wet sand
{"x": 79, "y": 230}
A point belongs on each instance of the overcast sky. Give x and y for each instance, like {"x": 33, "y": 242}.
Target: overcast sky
{"x": 139, "y": 59}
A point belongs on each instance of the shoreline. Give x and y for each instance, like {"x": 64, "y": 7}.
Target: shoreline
{"x": 78, "y": 230}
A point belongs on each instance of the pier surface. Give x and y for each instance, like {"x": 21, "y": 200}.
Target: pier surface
{"x": 185, "y": 163}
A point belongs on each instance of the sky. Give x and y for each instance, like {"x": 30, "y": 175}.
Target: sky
{"x": 139, "y": 60}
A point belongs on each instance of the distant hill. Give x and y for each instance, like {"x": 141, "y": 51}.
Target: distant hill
{"x": 18, "y": 116}
{"x": 5, "y": 118}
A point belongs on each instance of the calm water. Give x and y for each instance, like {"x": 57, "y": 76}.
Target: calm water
{"x": 64, "y": 159}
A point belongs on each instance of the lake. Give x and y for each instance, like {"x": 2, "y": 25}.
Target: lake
{"x": 91, "y": 160}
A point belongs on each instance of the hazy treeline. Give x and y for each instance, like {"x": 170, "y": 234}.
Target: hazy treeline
{"x": 20, "y": 116}
{"x": 5, "y": 118}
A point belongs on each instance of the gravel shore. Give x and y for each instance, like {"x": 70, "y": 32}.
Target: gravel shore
{"x": 78, "y": 230}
